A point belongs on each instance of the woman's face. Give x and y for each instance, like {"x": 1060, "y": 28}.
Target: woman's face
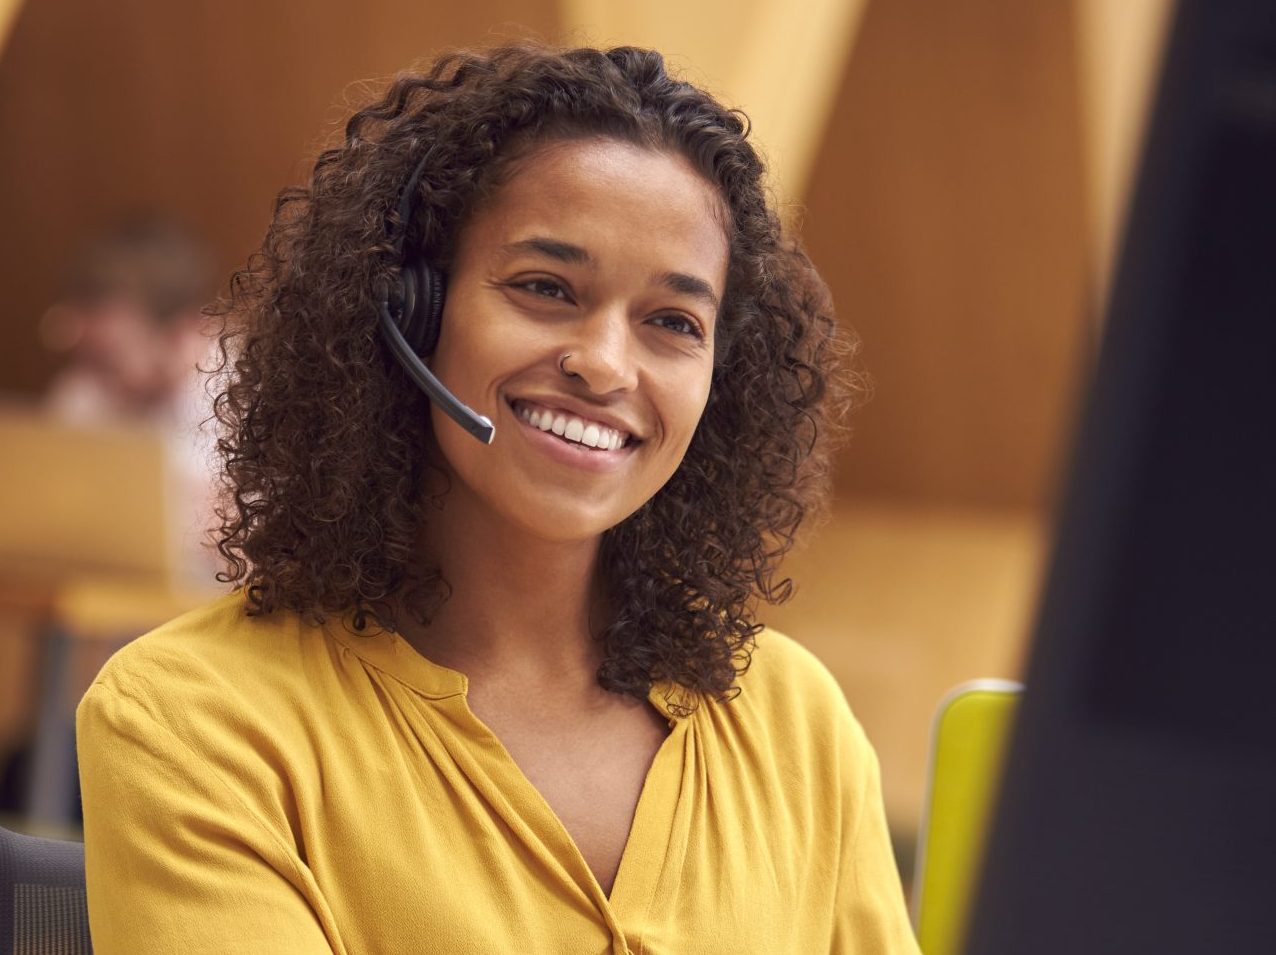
{"x": 617, "y": 256}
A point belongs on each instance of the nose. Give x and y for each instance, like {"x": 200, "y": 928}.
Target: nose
{"x": 604, "y": 353}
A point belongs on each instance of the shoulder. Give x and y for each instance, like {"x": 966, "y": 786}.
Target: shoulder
{"x": 211, "y": 661}
{"x": 778, "y": 655}
{"x": 219, "y": 636}
{"x": 789, "y": 695}
{"x": 794, "y": 742}
{"x": 784, "y": 674}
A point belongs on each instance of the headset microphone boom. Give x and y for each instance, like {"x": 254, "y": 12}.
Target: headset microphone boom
{"x": 411, "y": 325}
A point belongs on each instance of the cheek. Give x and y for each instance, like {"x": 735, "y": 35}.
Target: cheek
{"x": 479, "y": 345}
{"x": 687, "y": 406}
{"x": 460, "y": 357}
{"x": 700, "y": 392}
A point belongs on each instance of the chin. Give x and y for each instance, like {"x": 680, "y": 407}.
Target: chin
{"x": 564, "y": 520}
{"x": 566, "y": 528}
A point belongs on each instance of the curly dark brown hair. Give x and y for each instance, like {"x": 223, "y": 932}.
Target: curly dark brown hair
{"x": 326, "y": 441}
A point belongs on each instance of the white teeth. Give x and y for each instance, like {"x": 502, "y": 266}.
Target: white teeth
{"x": 574, "y": 429}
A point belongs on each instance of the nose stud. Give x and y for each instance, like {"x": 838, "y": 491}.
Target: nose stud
{"x": 562, "y": 366}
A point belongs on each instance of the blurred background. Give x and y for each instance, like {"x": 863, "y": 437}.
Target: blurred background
{"x": 958, "y": 170}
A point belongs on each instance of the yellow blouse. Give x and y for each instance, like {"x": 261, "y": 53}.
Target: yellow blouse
{"x": 260, "y": 785}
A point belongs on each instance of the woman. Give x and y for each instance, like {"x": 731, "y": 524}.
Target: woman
{"x": 473, "y": 697}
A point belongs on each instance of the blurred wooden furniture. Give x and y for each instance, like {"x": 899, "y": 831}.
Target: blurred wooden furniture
{"x": 77, "y": 499}
{"x": 89, "y": 558}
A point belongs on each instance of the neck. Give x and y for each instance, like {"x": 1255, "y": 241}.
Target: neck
{"x": 519, "y": 608}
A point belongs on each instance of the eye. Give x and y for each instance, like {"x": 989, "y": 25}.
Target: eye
{"x": 682, "y": 324}
{"x": 543, "y": 288}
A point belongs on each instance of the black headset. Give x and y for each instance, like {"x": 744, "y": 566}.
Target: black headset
{"x": 410, "y": 308}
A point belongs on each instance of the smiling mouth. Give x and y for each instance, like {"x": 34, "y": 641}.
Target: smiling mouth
{"x": 573, "y": 429}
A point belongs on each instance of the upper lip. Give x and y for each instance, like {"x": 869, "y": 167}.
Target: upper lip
{"x": 580, "y": 410}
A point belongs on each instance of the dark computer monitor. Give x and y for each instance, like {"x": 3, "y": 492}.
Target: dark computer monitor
{"x": 1138, "y": 808}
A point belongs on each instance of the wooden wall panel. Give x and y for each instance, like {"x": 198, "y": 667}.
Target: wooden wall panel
{"x": 8, "y": 13}
{"x": 947, "y": 210}
{"x": 202, "y": 108}
{"x": 779, "y": 62}
{"x": 1120, "y": 48}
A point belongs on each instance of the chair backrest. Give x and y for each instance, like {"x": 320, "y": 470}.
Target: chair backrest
{"x": 967, "y": 743}
{"x": 42, "y": 901}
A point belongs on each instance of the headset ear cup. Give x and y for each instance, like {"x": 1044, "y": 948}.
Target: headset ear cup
{"x": 431, "y": 292}
{"x": 405, "y": 318}
{"x": 423, "y": 289}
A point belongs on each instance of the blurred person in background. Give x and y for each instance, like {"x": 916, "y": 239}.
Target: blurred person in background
{"x": 131, "y": 328}
{"x": 506, "y": 694}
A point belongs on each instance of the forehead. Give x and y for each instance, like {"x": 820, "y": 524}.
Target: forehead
{"x": 612, "y": 198}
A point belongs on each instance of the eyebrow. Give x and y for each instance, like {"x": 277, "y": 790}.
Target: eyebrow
{"x": 565, "y": 252}
{"x": 685, "y": 284}
{"x": 559, "y": 251}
